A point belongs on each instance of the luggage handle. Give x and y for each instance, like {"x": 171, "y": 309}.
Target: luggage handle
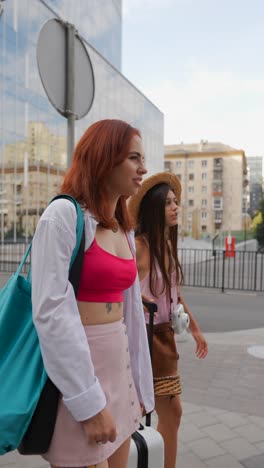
{"x": 152, "y": 308}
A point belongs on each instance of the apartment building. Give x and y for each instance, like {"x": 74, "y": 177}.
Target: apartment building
{"x": 214, "y": 186}
{"x": 31, "y": 176}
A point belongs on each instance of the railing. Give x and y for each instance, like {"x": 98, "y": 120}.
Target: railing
{"x": 212, "y": 269}
{"x": 11, "y": 256}
{"x": 202, "y": 268}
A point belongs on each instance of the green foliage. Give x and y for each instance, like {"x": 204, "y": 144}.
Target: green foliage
{"x": 241, "y": 236}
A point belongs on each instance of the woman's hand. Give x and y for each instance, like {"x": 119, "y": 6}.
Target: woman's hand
{"x": 146, "y": 299}
{"x": 143, "y": 409}
{"x": 100, "y": 428}
{"x": 201, "y": 345}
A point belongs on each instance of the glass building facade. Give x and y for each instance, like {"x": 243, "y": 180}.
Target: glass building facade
{"x": 33, "y": 135}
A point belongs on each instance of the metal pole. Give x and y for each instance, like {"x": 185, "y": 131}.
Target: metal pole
{"x": 245, "y": 234}
{"x": 70, "y": 79}
{"x": 223, "y": 272}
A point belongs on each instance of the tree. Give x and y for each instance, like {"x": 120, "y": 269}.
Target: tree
{"x": 260, "y": 226}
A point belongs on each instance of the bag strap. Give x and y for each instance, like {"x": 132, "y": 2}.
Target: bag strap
{"x": 76, "y": 268}
{"x": 78, "y": 251}
{"x": 79, "y": 226}
{"x": 79, "y": 238}
{"x": 23, "y": 262}
{"x": 170, "y": 270}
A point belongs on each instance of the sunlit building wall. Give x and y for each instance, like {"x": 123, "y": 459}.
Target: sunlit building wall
{"x": 215, "y": 191}
{"x": 33, "y": 143}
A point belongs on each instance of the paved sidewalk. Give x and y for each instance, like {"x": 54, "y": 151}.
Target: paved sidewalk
{"x": 223, "y": 405}
{"x": 223, "y": 402}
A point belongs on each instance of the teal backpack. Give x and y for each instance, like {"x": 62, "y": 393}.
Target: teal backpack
{"x": 22, "y": 373}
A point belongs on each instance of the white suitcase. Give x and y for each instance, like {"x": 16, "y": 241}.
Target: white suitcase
{"x": 147, "y": 445}
{"x": 146, "y": 449}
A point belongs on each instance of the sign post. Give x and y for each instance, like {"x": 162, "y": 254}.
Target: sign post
{"x": 66, "y": 73}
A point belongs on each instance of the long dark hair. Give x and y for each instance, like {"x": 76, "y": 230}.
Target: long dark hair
{"x": 151, "y": 227}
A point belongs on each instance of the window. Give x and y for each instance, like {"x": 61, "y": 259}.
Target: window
{"x": 203, "y": 215}
{"x": 190, "y": 164}
{"x": 217, "y": 186}
{"x": 204, "y": 189}
{"x": 191, "y": 189}
{"x": 218, "y": 203}
{"x": 218, "y": 162}
{"x": 218, "y": 175}
{"x": 178, "y": 164}
{"x": 168, "y": 166}
{"x": 204, "y": 228}
{"x": 204, "y": 163}
{"x": 204, "y": 202}
{"x": 204, "y": 176}
{"x": 191, "y": 203}
{"x": 191, "y": 176}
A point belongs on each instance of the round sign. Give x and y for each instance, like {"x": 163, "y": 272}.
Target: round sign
{"x": 52, "y": 60}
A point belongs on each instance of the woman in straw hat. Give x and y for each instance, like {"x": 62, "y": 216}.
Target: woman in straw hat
{"x": 154, "y": 209}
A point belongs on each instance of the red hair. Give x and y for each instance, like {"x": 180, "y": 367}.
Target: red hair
{"x": 103, "y": 146}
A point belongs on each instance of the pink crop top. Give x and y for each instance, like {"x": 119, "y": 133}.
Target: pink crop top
{"x": 162, "y": 300}
{"x": 105, "y": 276}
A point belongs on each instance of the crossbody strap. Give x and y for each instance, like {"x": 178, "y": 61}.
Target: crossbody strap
{"x": 170, "y": 270}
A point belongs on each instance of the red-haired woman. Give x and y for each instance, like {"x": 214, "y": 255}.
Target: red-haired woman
{"x": 95, "y": 349}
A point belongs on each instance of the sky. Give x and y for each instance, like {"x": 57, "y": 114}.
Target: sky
{"x": 201, "y": 62}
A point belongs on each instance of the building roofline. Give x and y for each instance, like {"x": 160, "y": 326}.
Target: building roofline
{"x": 172, "y": 152}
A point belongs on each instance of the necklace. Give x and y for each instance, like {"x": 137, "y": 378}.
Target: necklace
{"x": 113, "y": 229}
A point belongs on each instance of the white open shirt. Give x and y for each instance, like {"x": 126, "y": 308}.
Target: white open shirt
{"x": 63, "y": 342}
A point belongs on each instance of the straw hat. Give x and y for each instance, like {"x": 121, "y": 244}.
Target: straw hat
{"x": 161, "y": 178}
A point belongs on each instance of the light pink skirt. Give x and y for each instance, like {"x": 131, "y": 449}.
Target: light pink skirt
{"x": 110, "y": 355}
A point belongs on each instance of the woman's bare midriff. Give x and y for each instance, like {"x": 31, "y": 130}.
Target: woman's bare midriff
{"x": 97, "y": 313}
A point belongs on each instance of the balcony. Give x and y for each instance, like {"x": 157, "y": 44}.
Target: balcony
{"x": 218, "y": 218}
{"x": 217, "y": 177}
{"x": 217, "y": 194}
{"x": 217, "y": 190}
{"x": 218, "y": 164}
{"x": 218, "y": 203}
{"x": 218, "y": 223}
{"x": 245, "y": 182}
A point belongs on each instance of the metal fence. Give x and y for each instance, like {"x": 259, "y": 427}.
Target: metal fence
{"x": 213, "y": 269}
{"x": 202, "y": 268}
{"x": 11, "y": 256}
